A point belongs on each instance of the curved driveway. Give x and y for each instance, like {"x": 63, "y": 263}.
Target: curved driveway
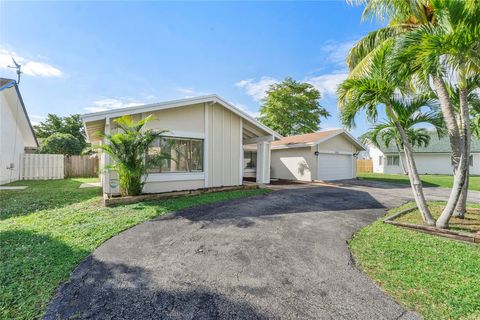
{"x": 278, "y": 256}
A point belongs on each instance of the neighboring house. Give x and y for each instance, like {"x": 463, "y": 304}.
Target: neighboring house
{"x": 325, "y": 155}
{"x": 16, "y": 131}
{"x": 208, "y": 131}
{"x": 436, "y": 158}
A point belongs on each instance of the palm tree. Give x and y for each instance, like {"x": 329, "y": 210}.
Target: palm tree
{"x": 448, "y": 45}
{"x": 474, "y": 103}
{"x": 457, "y": 22}
{"x": 411, "y": 114}
{"x": 376, "y": 87}
{"x": 128, "y": 149}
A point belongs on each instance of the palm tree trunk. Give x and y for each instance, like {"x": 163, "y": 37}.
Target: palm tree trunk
{"x": 461, "y": 207}
{"x": 461, "y": 174}
{"x": 453, "y": 135}
{"x": 413, "y": 175}
{"x": 400, "y": 160}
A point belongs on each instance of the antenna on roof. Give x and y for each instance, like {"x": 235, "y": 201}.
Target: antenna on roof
{"x": 18, "y": 68}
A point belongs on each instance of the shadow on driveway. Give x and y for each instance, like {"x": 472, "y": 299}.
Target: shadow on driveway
{"x": 312, "y": 199}
{"x": 127, "y": 293}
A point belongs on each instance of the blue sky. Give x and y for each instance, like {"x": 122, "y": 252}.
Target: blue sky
{"x": 84, "y": 57}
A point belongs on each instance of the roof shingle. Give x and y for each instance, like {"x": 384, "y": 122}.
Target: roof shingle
{"x": 436, "y": 145}
{"x": 306, "y": 138}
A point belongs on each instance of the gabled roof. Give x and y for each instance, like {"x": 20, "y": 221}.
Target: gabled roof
{"x": 6, "y": 83}
{"x": 89, "y": 117}
{"x": 10, "y": 84}
{"x": 311, "y": 139}
{"x": 436, "y": 145}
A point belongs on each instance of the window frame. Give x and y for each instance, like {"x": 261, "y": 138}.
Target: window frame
{"x": 253, "y": 159}
{"x": 189, "y": 158}
{"x": 391, "y": 161}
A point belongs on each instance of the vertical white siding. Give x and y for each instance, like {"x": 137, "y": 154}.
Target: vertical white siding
{"x": 12, "y": 141}
{"x": 224, "y": 157}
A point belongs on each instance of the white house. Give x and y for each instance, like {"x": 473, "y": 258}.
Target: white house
{"x": 436, "y": 158}
{"x": 16, "y": 131}
{"x": 210, "y": 132}
{"x": 325, "y": 155}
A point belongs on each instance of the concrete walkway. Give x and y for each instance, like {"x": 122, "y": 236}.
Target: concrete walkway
{"x": 278, "y": 256}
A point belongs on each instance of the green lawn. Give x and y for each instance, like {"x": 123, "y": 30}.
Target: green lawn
{"x": 437, "y": 277}
{"x": 433, "y": 180}
{"x": 47, "y": 229}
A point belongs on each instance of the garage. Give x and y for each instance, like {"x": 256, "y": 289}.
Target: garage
{"x": 324, "y": 155}
{"x": 335, "y": 166}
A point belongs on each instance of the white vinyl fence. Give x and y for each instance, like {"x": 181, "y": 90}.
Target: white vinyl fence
{"x": 41, "y": 166}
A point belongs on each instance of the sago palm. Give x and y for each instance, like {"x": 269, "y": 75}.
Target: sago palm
{"x": 127, "y": 150}
{"x": 368, "y": 92}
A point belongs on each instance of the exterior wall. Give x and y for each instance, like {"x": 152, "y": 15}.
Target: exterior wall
{"x": 375, "y": 154}
{"x": 337, "y": 144}
{"x": 475, "y": 170}
{"x": 12, "y": 141}
{"x": 427, "y": 163}
{"x": 294, "y": 164}
{"x": 224, "y": 147}
{"x": 222, "y": 154}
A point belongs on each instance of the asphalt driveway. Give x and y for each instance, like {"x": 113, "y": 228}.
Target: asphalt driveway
{"x": 278, "y": 256}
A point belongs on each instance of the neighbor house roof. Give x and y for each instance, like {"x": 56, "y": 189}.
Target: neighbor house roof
{"x": 25, "y": 125}
{"x": 436, "y": 145}
{"x": 6, "y": 83}
{"x": 310, "y": 139}
{"x": 89, "y": 117}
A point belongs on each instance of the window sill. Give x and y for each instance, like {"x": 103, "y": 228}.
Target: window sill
{"x": 175, "y": 176}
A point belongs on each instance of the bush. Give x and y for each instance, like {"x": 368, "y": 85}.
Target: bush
{"x": 61, "y": 143}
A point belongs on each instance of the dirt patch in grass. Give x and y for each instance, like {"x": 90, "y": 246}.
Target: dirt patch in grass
{"x": 471, "y": 222}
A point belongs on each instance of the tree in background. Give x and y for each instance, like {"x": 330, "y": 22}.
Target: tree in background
{"x": 61, "y": 143}
{"x": 55, "y": 124}
{"x": 292, "y": 107}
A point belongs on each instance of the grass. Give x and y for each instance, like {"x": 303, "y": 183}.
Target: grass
{"x": 47, "y": 229}
{"x": 471, "y": 222}
{"x": 437, "y": 277}
{"x": 433, "y": 180}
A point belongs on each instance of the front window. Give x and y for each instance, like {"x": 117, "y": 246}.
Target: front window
{"x": 186, "y": 155}
{"x": 249, "y": 160}
{"x": 380, "y": 160}
{"x": 393, "y": 160}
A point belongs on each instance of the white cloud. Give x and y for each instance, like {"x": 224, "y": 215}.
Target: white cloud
{"x": 336, "y": 52}
{"x": 190, "y": 92}
{"x": 245, "y": 109}
{"x": 29, "y": 67}
{"x": 112, "y": 103}
{"x": 327, "y": 83}
{"x": 36, "y": 119}
{"x": 256, "y": 89}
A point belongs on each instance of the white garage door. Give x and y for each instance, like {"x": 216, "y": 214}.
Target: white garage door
{"x": 335, "y": 166}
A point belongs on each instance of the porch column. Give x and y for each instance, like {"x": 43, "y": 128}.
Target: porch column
{"x": 106, "y": 161}
{"x": 263, "y": 162}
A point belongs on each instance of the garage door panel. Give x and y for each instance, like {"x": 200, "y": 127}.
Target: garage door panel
{"x": 335, "y": 166}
